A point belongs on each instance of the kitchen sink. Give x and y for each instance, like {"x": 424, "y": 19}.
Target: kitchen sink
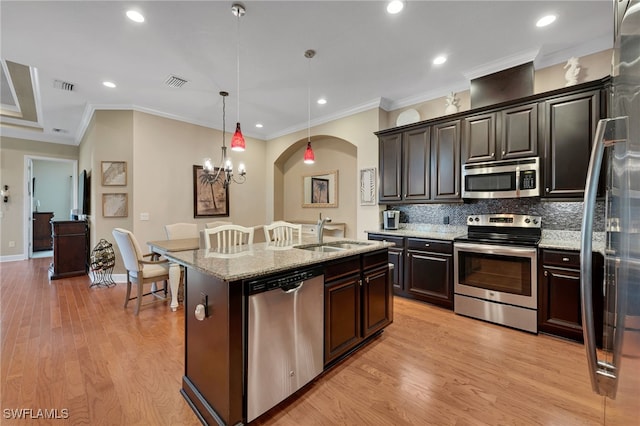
{"x": 333, "y": 246}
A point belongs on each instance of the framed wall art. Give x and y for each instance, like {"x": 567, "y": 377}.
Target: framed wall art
{"x": 320, "y": 189}
{"x": 114, "y": 173}
{"x": 210, "y": 197}
{"x": 368, "y": 187}
{"x": 115, "y": 205}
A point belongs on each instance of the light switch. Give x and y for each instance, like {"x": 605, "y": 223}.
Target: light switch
{"x": 144, "y": 216}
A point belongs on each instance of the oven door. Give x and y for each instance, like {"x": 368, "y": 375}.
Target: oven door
{"x": 503, "y": 274}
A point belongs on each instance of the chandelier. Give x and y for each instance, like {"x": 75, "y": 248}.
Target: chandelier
{"x": 223, "y": 173}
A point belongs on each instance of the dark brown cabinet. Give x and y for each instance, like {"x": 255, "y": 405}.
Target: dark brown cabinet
{"x": 445, "y": 155}
{"x": 559, "y": 304}
{"x": 390, "y": 161}
{"x": 70, "y": 249}
{"x": 396, "y": 257}
{"x": 569, "y": 127}
{"x": 42, "y": 239}
{"x": 358, "y": 302}
{"x": 501, "y": 135}
{"x": 429, "y": 271}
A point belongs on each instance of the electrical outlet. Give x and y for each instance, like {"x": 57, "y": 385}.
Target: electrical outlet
{"x": 445, "y": 220}
{"x": 144, "y": 216}
{"x": 12, "y": 243}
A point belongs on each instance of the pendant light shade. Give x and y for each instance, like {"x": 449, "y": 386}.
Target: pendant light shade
{"x": 309, "y": 156}
{"x": 237, "y": 141}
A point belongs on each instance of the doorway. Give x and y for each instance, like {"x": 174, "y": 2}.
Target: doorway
{"x": 52, "y": 188}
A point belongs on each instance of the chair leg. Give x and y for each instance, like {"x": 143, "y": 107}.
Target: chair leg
{"x": 128, "y": 296}
{"x": 139, "y": 300}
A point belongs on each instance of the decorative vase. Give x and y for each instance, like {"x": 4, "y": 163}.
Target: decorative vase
{"x": 452, "y": 104}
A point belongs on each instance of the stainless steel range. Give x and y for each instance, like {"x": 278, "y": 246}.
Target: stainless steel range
{"x": 495, "y": 270}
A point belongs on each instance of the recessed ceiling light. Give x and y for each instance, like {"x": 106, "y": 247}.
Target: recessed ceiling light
{"x": 259, "y": 125}
{"x": 322, "y": 101}
{"x": 135, "y": 16}
{"x": 546, "y": 20}
{"x": 109, "y": 84}
{"x": 395, "y": 6}
{"x": 439, "y": 60}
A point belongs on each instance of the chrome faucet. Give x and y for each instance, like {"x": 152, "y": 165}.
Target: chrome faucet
{"x": 320, "y": 227}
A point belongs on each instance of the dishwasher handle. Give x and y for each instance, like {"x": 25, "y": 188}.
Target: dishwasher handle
{"x": 291, "y": 288}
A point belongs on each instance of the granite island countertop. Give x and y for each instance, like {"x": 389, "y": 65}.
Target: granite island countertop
{"x": 261, "y": 259}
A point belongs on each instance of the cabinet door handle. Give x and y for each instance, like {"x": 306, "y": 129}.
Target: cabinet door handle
{"x": 427, "y": 245}
{"x": 565, "y": 259}
{"x": 367, "y": 280}
{"x": 492, "y": 154}
{"x": 546, "y": 274}
{"x": 503, "y": 153}
{"x": 547, "y": 189}
{"x": 360, "y": 283}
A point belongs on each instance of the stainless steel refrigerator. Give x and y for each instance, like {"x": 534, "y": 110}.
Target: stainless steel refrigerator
{"x": 615, "y": 370}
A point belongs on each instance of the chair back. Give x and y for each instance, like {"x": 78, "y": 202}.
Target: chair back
{"x": 283, "y": 231}
{"x": 217, "y": 223}
{"x": 129, "y": 249}
{"x": 228, "y": 235}
{"x": 176, "y": 231}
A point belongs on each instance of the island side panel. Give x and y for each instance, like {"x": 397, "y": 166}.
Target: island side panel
{"x": 213, "y": 348}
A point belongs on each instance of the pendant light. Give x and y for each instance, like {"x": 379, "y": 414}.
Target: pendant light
{"x": 237, "y": 141}
{"x": 309, "y": 156}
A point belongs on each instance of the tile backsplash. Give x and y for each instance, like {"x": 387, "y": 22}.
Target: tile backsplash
{"x": 555, "y": 215}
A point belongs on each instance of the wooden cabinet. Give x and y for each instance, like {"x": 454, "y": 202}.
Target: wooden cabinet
{"x": 501, "y": 135}
{"x": 358, "y": 302}
{"x": 559, "y": 296}
{"x": 429, "y": 271}
{"x": 445, "y": 171}
{"x": 70, "y": 249}
{"x": 569, "y": 127}
{"x": 42, "y": 239}
{"x": 421, "y": 164}
{"x": 390, "y": 161}
{"x": 396, "y": 257}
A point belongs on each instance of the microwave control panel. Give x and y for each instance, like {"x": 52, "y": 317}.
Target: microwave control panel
{"x": 528, "y": 179}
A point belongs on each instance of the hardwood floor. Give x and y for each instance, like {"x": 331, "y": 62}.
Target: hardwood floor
{"x": 68, "y": 347}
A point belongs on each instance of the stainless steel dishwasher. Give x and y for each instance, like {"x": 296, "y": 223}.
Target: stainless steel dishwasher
{"x": 285, "y": 336}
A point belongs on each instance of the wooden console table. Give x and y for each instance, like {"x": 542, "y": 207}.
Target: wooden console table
{"x": 70, "y": 248}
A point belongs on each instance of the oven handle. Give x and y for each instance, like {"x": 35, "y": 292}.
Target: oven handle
{"x": 495, "y": 249}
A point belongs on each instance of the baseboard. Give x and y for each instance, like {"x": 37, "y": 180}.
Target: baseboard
{"x": 13, "y": 258}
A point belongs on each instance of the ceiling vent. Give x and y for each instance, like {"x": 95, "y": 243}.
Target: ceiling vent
{"x": 63, "y": 85}
{"x": 175, "y": 81}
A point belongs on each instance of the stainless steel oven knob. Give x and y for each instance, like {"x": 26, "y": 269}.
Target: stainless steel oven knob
{"x": 470, "y": 219}
{"x": 535, "y": 221}
{"x": 527, "y": 220}
{"x": 477, "y": 219}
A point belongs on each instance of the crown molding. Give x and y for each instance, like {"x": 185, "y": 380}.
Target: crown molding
{"x": 587, "y": 48}
{"x": 501, "y": 64}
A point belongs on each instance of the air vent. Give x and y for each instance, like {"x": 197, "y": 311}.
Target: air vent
{"x": 175, "y": 81}
{"x": 63, "y": 85}
{"x": 58, "y": 130}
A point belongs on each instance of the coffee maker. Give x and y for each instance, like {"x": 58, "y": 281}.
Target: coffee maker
{"x": 391, "y": 219}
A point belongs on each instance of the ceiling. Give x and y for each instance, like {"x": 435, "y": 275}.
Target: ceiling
{"x": 365, "y": 57}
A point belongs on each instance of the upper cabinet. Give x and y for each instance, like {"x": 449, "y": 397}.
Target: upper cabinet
{"x": 421, "y": 164}
{"x": 569, "y": 127}
{"x": 501, "y": 135}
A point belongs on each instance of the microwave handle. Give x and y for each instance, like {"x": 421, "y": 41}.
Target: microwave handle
{"x": 517, "y": 181}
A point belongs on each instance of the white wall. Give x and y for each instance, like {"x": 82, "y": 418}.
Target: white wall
{"x": 53, "y": 187}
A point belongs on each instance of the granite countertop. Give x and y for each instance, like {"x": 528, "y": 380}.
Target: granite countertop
{"x": 554, "y": 239}
{"x": 421, "y": 230}
{"x": 570, "y": 240}
{"x": 261, "y": 259}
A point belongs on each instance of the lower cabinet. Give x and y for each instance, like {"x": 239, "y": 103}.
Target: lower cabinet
{"x": 429, "y": 271}
{"x": 70, "y": 249}
{"x": 423, "y": 268}
{"x": 559, "y": 294}
{"x": 358, "y": 301}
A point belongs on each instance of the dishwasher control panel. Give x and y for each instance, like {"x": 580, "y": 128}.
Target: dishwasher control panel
{"x": 285, "y": 280}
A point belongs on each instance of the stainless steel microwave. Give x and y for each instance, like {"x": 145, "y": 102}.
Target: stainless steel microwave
{"x": 502, "y": 179}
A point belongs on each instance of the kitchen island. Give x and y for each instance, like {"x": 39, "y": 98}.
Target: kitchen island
{"x": 357, "y": 305}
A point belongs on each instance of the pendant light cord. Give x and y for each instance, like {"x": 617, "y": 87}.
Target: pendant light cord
{"x": 309, "y": 101}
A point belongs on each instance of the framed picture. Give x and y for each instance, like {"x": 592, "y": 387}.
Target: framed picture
{"x": 114, "y": 173}
{"x": 368, "y": 187}
{"x": 115, "y": 205}
{"x": 319, "y": 190}
{"x": 210, "y": 197}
